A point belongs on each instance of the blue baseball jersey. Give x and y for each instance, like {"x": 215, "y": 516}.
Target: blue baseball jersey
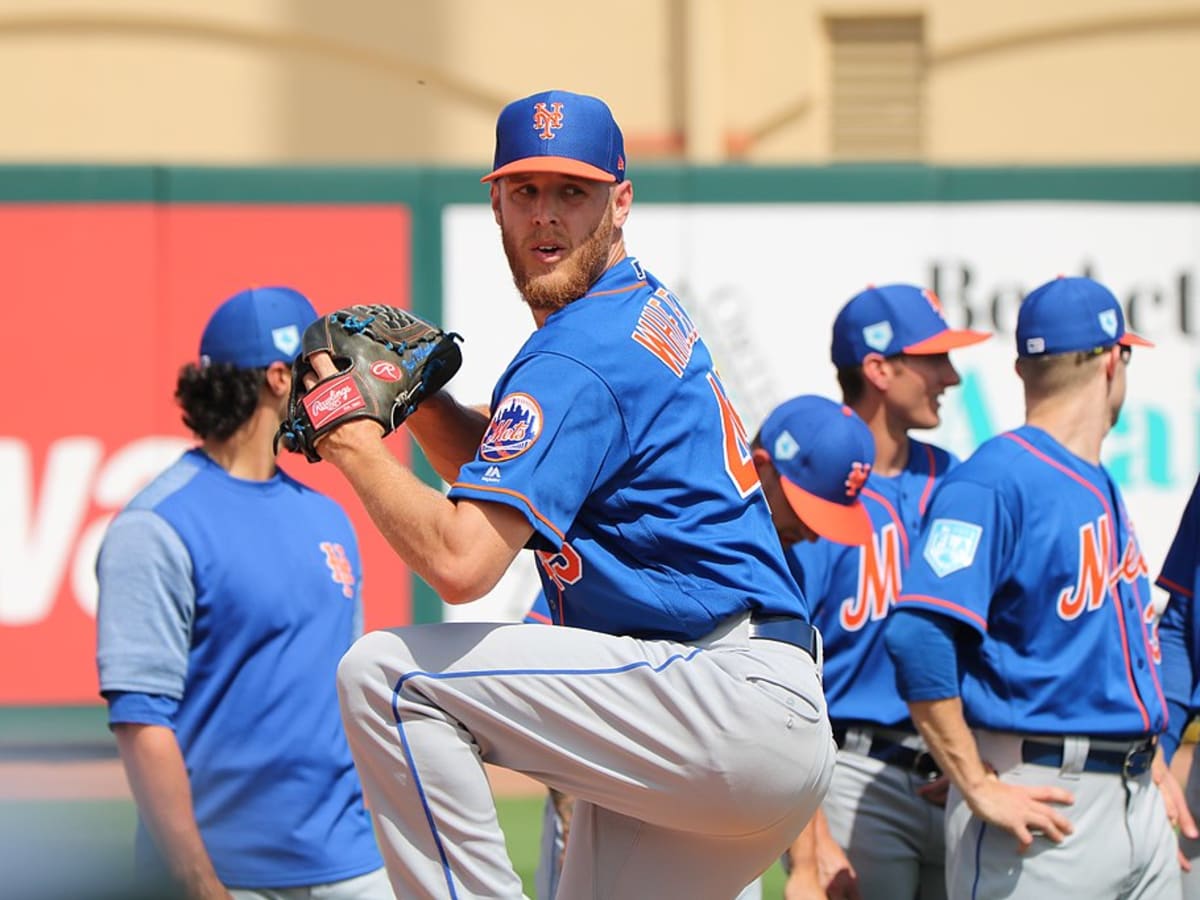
{"x": 613, "y": 435}
{"x": 225, "y": 606}
{"x": 1032, "y": 548}
{"x": 1180, "y": 577}
{"x": 851, "y": 590}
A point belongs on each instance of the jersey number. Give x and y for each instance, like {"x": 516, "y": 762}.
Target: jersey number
{"x": 739, "y": 463}
{"x": 564, "y": 567}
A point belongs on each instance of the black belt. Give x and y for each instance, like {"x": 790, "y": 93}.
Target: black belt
{"x": 789, "y": 630}
{"x": 1134, "y": 759}
{"x": 894, "y": 753}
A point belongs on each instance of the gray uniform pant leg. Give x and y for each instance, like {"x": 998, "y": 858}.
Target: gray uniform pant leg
{"x": 1122, "y": 846}
{"x": 693, "y": 766}
{"x": 549, "y": 869}
{"x": 894, "y": 839}
{"x": 371, "y": 886}
{"x": 1190, "y": 848}
{"x": 550, "y": 852}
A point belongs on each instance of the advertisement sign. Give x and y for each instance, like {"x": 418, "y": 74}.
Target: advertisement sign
{"x": 104, "y": 303}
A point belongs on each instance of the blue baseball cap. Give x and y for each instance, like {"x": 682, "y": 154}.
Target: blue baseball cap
{"x": 1072, "y": 314}
{"x": 895, "y": 318}
{"x": 823, "y": 452}
{"x": 557, "y": 131}
{"x": 257, "y": 327}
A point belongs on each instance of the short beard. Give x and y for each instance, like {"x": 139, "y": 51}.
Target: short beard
{"x": 571, "y": 278}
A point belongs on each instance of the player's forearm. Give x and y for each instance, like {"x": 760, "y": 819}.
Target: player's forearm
{"x": 158, "y": 779}
{"x": 449, "y": 433}
{"x": 452, "y": 546}
{"x": 802, "y": 853}
{"x": 944, "y": 728}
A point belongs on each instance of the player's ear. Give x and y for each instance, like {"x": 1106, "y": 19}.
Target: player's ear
{"x": 279, "y": 379}
{"x": 1114, "y": 360}
{"x": 494, "y": 193}
{"x": 877, "y": 371}
{"x": 622, "y": 201}
{"x": 762, "y": 461}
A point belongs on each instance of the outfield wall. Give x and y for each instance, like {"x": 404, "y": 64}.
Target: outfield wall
{"x": 111, "y": 272}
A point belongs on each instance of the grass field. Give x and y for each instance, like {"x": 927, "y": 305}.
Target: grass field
{"x": 51, "y": 850}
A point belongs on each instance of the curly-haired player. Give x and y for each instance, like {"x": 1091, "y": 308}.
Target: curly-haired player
{"x": 228, "y": 593}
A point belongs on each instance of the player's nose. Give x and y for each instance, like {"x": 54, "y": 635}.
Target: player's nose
{"x": 950, "y": 376}
{"x": 545, "y": 210}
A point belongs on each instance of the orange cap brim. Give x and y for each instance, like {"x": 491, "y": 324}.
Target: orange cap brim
{"x": 945, "y": 341}
{"x": 839, "y": 522}
{"x": 560, "y": 165}
{"x": 1129, "y": 339}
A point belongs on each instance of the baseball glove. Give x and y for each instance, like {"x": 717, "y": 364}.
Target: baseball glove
{"x": 388, "y": 361}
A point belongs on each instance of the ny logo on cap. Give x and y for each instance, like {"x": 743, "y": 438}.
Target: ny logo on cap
{"x": 1108, "y": 321}
{"x": 546, "y": 120}
{"x": 857, "y": 478}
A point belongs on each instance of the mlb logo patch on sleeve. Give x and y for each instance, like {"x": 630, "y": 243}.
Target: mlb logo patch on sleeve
{"x": 951, "y": 545}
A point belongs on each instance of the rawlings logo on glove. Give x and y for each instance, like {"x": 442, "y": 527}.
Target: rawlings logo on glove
{"x": 388, "y": 361}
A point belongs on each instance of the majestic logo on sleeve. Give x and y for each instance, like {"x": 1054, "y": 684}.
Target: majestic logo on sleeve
{"x": 1094, "y": 580}
{"x": 547, "y": 120}
{"x": 341, "y": 572}
{"x": 665, "y": 330}
{"x": 514, "y": 428}
{"x": 878, "y": 581}
{"x": 951, "y": 545}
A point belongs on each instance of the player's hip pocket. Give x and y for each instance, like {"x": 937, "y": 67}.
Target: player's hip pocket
{"x": 807, "y": 703}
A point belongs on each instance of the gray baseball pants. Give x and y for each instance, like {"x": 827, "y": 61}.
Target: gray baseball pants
{"x": 892, "y": 836}
{"x": 693, "y": 765}
{"x": 1122, "y": 846}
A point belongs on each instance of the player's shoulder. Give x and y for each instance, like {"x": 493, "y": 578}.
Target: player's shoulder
{"x": 993, "y": 464}
{"x": 925, "y": 458}
{"x": 626, "y": 329}
{"x": 174, "y": 481}
{"x": 320, "y": 503}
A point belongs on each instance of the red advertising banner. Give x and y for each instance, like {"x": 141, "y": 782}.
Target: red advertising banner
{"x": 103, "y": 304}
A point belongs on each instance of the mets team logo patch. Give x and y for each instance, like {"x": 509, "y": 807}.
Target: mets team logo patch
{"x": 515, "y": 427}
{"x": 951, "y": 545}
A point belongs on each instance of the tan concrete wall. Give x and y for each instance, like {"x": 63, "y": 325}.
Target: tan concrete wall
{"x": 420, "y": 81}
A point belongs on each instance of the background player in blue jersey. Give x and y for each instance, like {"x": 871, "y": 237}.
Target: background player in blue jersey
{"x": 879, "y": 832}
{"x": 813, "y": 457}
{"x": 680, "y": 701}
{"x": 228, "y": 593}
{"x": 1020, "y": 639}
{"x": 1179, "y": 641}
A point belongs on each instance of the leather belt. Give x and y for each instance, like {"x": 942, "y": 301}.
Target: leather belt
{"x": 788, "y": 630}
{"x": 919, "y": 761}
{"x": 1104, "y": 755}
